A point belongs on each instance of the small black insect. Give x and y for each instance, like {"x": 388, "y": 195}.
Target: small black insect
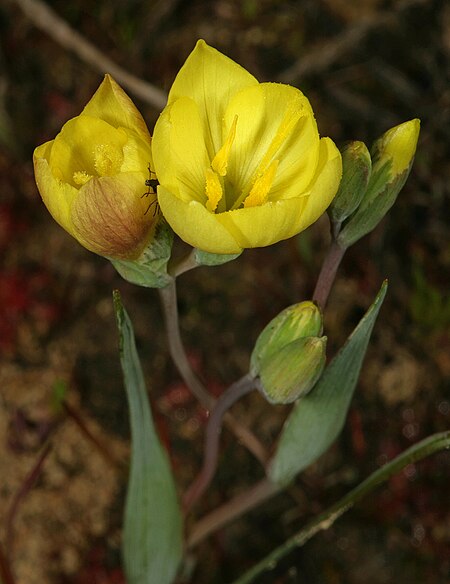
{"x": 151, "y": 183}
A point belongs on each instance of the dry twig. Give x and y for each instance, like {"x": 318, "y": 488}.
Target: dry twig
{"x": 47, "y": 20}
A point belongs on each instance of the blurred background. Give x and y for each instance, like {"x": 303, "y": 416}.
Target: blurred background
{"x": 365, "y": 66}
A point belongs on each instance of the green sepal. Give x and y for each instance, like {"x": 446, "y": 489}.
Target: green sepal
{"x": 379, "y": 198}
{"x": 356, "y": 170}
{"x": 204, "y": 258}
{"x": 153, "y": 530}
{"x": 317, "y": 419}
{"x": 150, "y": 268}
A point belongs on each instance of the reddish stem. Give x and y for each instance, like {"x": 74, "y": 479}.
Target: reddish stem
{"x": 26, "y": 487}
{"x": 212, "y": 436}
{"x": 328, "y": 273}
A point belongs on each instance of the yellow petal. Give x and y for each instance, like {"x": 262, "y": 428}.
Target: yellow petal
{"x": 325, "y": 183}
{"x": 57, "y": 195}
{"x": 275, "y": 122}
{"x": 264, "y": 225}
{"x": 210, "y": 79}
{"x": 87, "y": 144}
{"x": 398, "y": 145}
{"x": 179, "y": 152}
{"x": 109, "y": 216}
{"x": 195, "y": 225}
{"x": 111, "y": 104}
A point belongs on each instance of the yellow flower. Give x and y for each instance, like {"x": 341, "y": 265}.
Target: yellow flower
{"x": 92, "y": 176}
{"x": 240, "y": 163}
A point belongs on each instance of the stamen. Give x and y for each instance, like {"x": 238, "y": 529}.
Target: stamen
{"x": 81, "y": 177}
{"x": 107, "y": 159}
{"x": 220, "y": 160}
{"x": 260, "y": 190}
{"x": 213, "y": 190}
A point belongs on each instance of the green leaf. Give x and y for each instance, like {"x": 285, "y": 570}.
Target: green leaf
{"x": 150, "y": 269}
{"x": 152, "y": 538}
{"x": 317, "y": 418}
{"x": 204, "y": 258}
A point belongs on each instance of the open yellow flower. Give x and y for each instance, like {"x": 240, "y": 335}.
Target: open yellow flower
{"x": 92, "y": 176}
{"x": 240, "y": 163}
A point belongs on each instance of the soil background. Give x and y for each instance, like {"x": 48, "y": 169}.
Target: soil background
{"x": 365, "y": 66}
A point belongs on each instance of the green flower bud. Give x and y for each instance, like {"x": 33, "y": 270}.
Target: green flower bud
{"x": 356, "y": 168}
{"x": 299, "y": 320}
{"x": 292, "y": 371}
{"x": 392, "y": 158}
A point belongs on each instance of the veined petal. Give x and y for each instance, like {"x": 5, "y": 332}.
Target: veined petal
{"x": 210, "y": 79}
{"x": 111, "y": 104}
{"x": 325, "y": 183}
{"x": 57, "y": 195}
{"x": 109, "y": 217}
{"x": 274, "y": 122}
{"x": 195, "y": 225}
{"x": 179, "y": 152}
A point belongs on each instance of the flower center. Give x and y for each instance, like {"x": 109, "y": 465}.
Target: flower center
{"x": 257, "y": 191}
{"x": 107, "y": 160}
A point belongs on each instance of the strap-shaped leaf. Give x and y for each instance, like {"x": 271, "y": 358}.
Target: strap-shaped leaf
{"x": 152, "y": 538}
{"x": 317, "y": 418}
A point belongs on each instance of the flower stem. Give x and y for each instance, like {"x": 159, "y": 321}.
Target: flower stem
{"x": 212, "y": 435}
{"x": 23, "y": 491}
{"x": 183, "y": 265}
{"x": 234, "y": 508}
{"x": 328, "y": 273}
{"x": 176, "y": 348}
{"x": 325, "y": 520}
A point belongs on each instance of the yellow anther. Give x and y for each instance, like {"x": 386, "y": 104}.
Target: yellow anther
{"x": 213, "y": 190}
{"x": 260, "y": 190}
{"x": 107, "y": 159}
{"x": 81, "y": 177}
{"x": 220, "y": 160}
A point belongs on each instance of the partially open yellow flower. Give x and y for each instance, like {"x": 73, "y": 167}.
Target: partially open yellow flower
{"x": 92, "y": 175}
{"x": 240, "y": 163}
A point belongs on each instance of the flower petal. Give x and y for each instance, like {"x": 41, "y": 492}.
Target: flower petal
{"x": 109, "y": 216}
{"x": 111, "y": 104}
{"x": 57, "y": 195}
{"x": 274, "y": 121}
{"x": 325, "y": 183}
{"x": 195, "y": 225}
{"x": 179, "y": 152}
{"x": 264, "y": 225}
{"x": 210, "y": 79}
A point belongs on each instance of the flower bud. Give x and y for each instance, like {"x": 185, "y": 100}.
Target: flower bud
{"x": 292, "y": 371}
{"x": 299, "y": 320}
{"x": 92, "y": 176}
{"x": 392, "y": 158}
{"x": 356, "y": 168}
